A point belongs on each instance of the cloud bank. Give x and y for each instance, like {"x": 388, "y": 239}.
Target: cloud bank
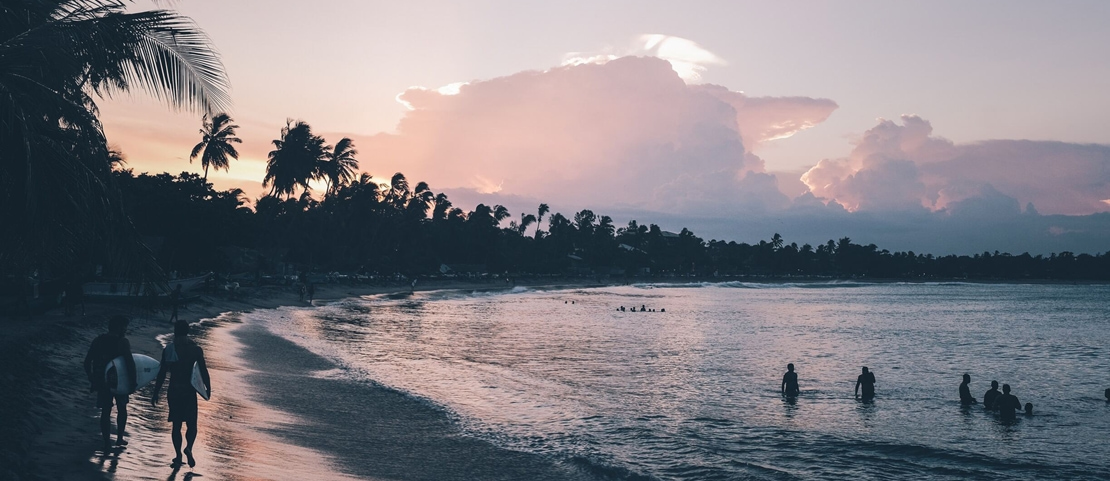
{"x": 637, "y": 137}
{"x": 628, "y": 131}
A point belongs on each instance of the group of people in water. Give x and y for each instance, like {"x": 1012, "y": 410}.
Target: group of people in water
{"x": 178, "y": 359}
{"x": 643, "y": 308}
{"x": 1004, "y": 403}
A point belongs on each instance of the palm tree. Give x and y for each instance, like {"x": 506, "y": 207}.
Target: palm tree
{"x": 525, "y": 221}
{"x": 295, "y": 160}
{"x": 57, "y": 193}
{"x": 217, "y": 137}
{"x": 544, "y": 209}
{"x": 339, "y": 165}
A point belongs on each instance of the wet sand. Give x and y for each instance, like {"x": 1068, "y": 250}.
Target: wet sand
{"x": 51, "y": 428}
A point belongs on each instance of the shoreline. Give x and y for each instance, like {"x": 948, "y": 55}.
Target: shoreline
{"x": 54, "y": 433}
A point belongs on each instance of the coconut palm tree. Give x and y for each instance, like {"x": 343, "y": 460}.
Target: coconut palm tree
{"x": 56, "y": 189}
{"x": 217, "y": 136}
{"x": 295, "y": 160}
{"x": 339, "y": 165}
{"x": 544, "y": 209}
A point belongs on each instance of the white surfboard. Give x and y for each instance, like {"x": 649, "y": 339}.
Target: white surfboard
{"x": 198, "y": 382}
{"x": 116, "y": 374}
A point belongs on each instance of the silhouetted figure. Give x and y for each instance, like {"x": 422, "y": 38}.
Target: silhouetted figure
{"x": 1108, "y": 394}
{"x": 1028, "y": 409}
{"x": 303, "y": 290}
{"x": 178, "y": 359}
{"x": 991, "y": 395}
{"x": 867, "y": 381}
{"x": 175, "y": 299}
{"x": 662, "y": 310}
{"x": 790, "y": 382}
{"x": 103, "y": 350}
{"x": 965, "y": 392}
{"x": 311, "y": 291}
{"x": 1007, "y": 404}
{"x": 643, "y": 307}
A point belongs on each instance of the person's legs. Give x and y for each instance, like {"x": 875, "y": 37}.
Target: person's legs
{"x": 121, "y": 421}
{"x": 106, "y": 425}
{"x": 175, "y": 434}
{"x": 190, "y": 437}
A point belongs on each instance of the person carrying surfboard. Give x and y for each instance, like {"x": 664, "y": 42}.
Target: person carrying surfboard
{"x": 178, "y": 360}
{"x": 102, "y": 351}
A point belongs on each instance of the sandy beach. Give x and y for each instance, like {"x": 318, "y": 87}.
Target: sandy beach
{"x": 51, "y": 429}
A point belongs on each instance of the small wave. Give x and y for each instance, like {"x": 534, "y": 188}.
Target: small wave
{"x": 606, "y": 471}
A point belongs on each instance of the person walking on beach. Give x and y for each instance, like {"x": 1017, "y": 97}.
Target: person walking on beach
{"x": 991, "y": 395}
{"x": 965, "y": 392}
{"x": 867, "y": 381}
{"x": 790, "y": 382}
{"x": 178, "y": 359}
{"x": 103, "y": 350}
{"x": 1007, "y": 404}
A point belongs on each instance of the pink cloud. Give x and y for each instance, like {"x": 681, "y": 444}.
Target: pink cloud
{"x": 894, "y": 167}
{"x": 629, "y": 131}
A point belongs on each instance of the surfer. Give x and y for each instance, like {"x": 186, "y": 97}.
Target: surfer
{"x": 965, "y": 392}
{"x": 178, "y": 359}
{"x": 103, "y": 350}
{"x": 990, "y": 396}
{"x": 790, "y": 382}
{"x": 1007, "y": 404}
{"x": 867, "y": 380}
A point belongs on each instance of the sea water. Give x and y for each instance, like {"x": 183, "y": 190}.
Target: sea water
{"x": 694, "y": 392}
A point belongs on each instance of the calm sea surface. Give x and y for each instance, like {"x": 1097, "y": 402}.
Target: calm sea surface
{"x": 693, "y": 392}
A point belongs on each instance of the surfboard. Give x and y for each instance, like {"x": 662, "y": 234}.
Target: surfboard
{"x": 198, "y": 382}
{"x": 116, "y": 374}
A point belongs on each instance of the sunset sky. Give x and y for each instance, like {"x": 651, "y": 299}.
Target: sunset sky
{"x": 935, "y": 126}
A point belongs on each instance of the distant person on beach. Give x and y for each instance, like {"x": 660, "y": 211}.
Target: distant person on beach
{"x": 178, "y": 359}
{"x": 790, "y": 382}
{"x": 643, "y": 307}
{"x": 103, "y": 350}
{"x": 311, "y": 291}
{"x": 991, "y": 395}
{"x": 965, "y": 392}
{"x": 303, "y": 289}
{"x": 175, "y": 299}
{"x": 867, "y": 381}
{"x": 1007, "y": 404}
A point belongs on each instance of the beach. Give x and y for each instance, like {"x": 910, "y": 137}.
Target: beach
{"x": 52, "y": 429}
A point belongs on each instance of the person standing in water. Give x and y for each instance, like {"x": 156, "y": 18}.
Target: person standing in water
{"x": 178, "y": 359}
{"x": 790, "y": 382}
{"x": 1108, "y": 394}
{"x": 1007, "y": 404}
{"x": 103, "y": 350}
{"x": 867, "y": 381}
{"x": 965, "y": 391}
{"x": 991, "y": 395}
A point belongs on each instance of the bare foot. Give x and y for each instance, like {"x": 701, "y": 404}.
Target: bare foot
{"x": 176, "y": 463}
{"x": 189, "y": 454}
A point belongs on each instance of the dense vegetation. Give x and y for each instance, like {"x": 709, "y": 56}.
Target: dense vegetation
{"x": 364, "y": 227}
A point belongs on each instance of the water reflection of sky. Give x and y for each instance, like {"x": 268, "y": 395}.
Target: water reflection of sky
{"x": 667, "y": 392}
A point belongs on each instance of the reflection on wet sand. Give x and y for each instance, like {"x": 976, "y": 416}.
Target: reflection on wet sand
{"x": 233, "y": 443}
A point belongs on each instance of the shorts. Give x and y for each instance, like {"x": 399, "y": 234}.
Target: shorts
{"x": 104, "y": 399}
{"x": 183, "y": 406}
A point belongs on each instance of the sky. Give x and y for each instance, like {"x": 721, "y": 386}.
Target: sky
{"x": 943, "y": 127}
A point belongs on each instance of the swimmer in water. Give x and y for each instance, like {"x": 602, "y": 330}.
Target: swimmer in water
{"x": 867, "y": 381}
{"x": 1028, "y": 409}
{"x": 965, "y": 391}
{"x": 1007, "y": 404}
{"x": 790, "y": 382}
{"x": 991, "y": 395}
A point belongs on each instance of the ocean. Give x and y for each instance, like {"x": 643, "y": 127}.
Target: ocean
{"x": 562, "y": 384}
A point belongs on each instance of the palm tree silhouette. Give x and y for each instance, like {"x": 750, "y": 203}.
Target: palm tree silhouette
{"x": 339, "y": 165}
{"x": 295, "y": 160}
{"x": 217, "y": 137}
{"x": 544, "y": 209}
{"x": 57, "y": 55}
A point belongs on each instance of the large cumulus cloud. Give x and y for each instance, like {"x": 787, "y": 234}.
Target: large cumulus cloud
{"x": 626, "y": 132}
{"x": 898, "y": 167}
